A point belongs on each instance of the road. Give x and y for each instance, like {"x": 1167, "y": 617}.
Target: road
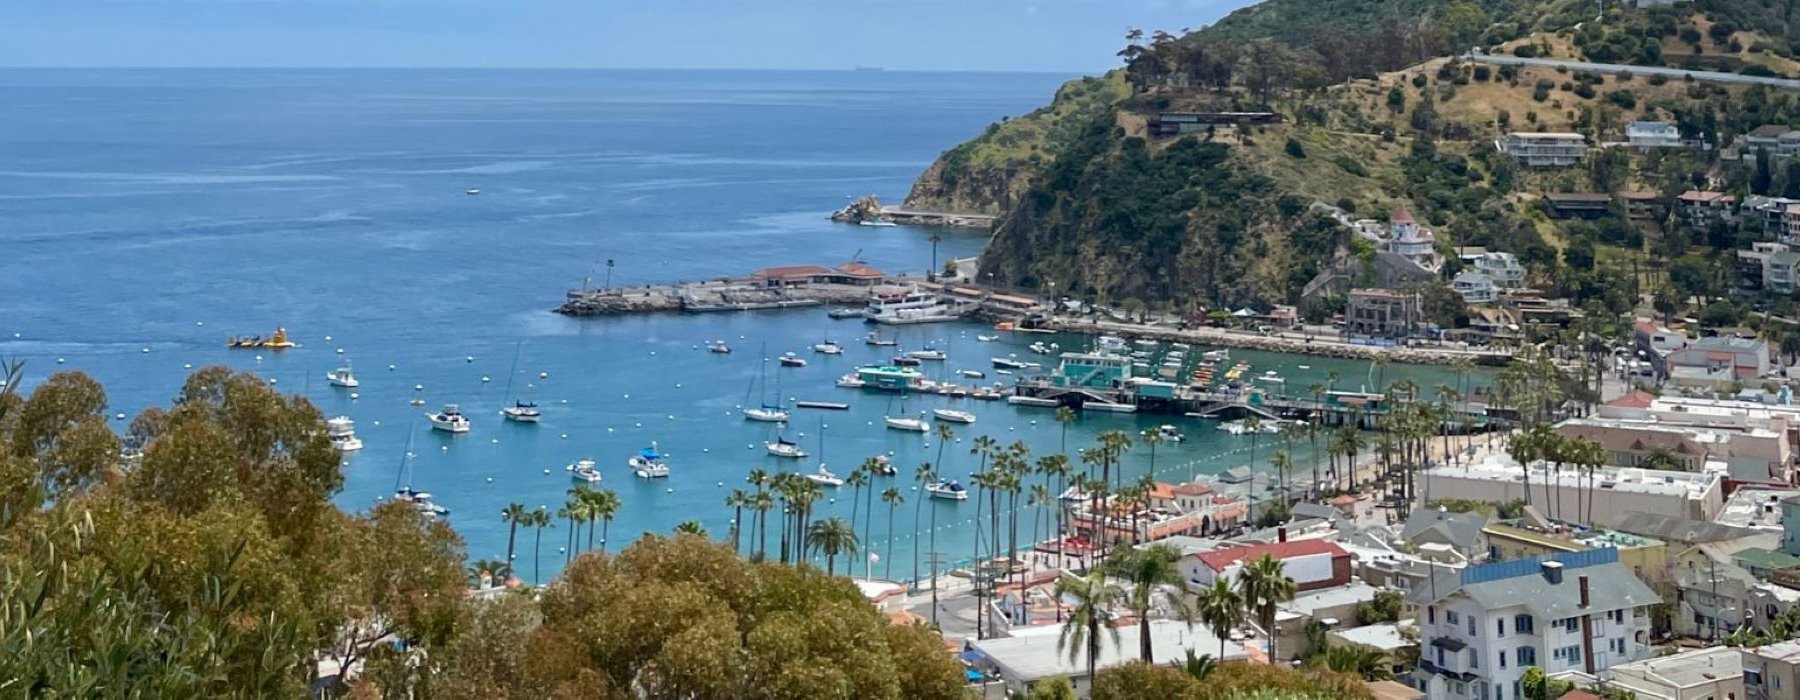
{"x": 1678, "y": 73}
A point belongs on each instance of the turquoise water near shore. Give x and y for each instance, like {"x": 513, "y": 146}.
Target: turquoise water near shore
{"x": 149, "y": 214}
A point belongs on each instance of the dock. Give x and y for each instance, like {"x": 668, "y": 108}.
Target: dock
{"x": 1335, "y": 408}
{"x": 915, "y": 217}
{"x": 707, "y": 297}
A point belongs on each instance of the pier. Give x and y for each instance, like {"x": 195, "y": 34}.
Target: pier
{"x": 1335, "y": 407}
{"x": 915, "y": 217}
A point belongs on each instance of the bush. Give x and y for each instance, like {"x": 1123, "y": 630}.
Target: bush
{"x": 1689, "y": 35}
{"x": 1294, "y": 148}
{"x": 1482, "y": 73}
{"x": 1658, "y": 79}
{"x": 1525, "y": 51}
{"x": 1623, "y": 98}
{"x": 1584, "y": 91}
{"x": 1420, "y": 80}
{"x": 1351, "y": 165}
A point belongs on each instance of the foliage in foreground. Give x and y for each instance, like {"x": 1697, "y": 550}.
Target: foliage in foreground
{"x": 1225, "y": 681}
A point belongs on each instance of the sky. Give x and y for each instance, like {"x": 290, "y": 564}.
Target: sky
{"x": 1075, "y": 36}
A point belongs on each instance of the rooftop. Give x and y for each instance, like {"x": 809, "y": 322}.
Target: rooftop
{"x": 1222, "y": 559}
{"x": 1766, "y": 558}
{"x": 1673, "y": 529}
{"x": 1307, "y": 604}
{"x": 1502, "y": 468}
{"x": 1386, "y": 637}
{"x": 1033, "y": 656}
{"x": 1784, "y": 651}
{"x": 1522, "y": 583}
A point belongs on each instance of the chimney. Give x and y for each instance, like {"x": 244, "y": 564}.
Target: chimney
{"x": 1281, "y": 534}
{"x": 1582, "y": 582}
{"x": 1553, "y": 571}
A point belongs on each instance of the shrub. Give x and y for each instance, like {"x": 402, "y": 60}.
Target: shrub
{"x": 1623, "y": 98}
{"x": 1525, "y": 51}
{"x": 1294, "y": 148}
{"x": 1584, "y": 91}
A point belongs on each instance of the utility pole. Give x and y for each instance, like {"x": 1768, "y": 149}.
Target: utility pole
{"x": 609, "y": 268}
{"x": 932, "y": 275}
{"x": 934, "y": 558}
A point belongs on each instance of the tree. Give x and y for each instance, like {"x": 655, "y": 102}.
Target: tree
{"x": 1090, "y": 610}
{"x": 831, "y": 537}
{"x": 1762, "y": 179}
{"x": 1148, "y": 569}
{"x": 1135, "y": 680}
{"x": 1363, "y": 661}
{"x": 539, "y": 520}
{"x": 690, "y": 527}
{"x": 1221, "y": 608}
{"x": 514, "y": 515}
{"x": 893, "y": 499}
{"x": 1264, "y": 584}
{"x": 1058, "y": 688}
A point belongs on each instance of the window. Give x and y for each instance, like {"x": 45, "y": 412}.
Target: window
{"x": 1471, "y": 625}
{"x": 1500, "y": 626}
{"x": 1522, "y": 624}
{"x": 1431, "y": 614}
{"x": 1474, "y": 659}
{"x": 1440, "y": 657}
{"x": 1502, "y": 658}
{"x": 1527, "y": 656}
{"x": 1450, "y": 616}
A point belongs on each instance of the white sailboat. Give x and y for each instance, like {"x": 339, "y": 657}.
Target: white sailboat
{"x": 342, "y": 377}
{"x": 951, "y": 415}
{"x": 520, "y": 411}
{"x": 824, "y": 477}
{"x": 765, "y": 412}
{"x": 784, "y": 448}
{"x": 914, "y": 425}
{"x": 420, "y": 500}
{"x": 828, "y": 348}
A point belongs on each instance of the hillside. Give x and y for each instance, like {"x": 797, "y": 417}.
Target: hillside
{"x": 1376, "y": 114}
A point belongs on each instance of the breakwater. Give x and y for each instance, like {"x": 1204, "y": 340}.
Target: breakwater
{"x": 697, "y": 297}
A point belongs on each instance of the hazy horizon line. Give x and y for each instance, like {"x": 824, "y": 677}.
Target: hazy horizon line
{"x": 660, "y": 69}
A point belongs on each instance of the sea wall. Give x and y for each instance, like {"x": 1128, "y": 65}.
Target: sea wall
{"x": 1321, "y": 346}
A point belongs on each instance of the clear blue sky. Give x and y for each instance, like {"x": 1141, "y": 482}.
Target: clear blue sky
{"x": 1014, "y": 35}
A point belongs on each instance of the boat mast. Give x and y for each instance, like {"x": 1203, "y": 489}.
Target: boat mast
{"x": 405, "y": 461}
{"x": 514, "y": 372}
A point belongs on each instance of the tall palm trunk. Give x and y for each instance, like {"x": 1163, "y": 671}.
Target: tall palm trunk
{"x": 888, "y": 573}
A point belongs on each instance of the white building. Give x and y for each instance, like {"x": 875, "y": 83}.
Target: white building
{"x": 1313, "y": 564}
{"x": 1503, "y": 268}
{"x": 1653, "y": 135}
{"x": 1475, "y": 288}
{"x": 1544, "y": 149}
{"x": 1713, "y": 673}
{"x": 1481, "y": 628}
{"x": 1407, "y": 239}
{"x": 1615, "y": 492}
{"x": 1033, "y": 654}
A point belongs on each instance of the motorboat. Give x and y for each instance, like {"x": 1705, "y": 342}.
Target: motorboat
{"x": 1009, "y": 363}
{"x": 915, "y": 425}
{"x": 844, "y": 313}
{"x": 987, "y": 338}
{"x": 342, "y": 433}
{"x": 826, "y": 405}
{"x": 850, "y": 381}
{"x": 766, "y": 414}
{"x": 1170, "y": 433}
{"x": 522, "y": 412}
{"x": 824, "y": 477}
{"x": 422, "y": 502}
{"x": 1219, "y": 355}
{"x": 828, "y": 348}
{"x": 1146, "y": 342}
{"x": 1040, "y": 348}
{"x": 910, "y": 307}
{"x": 947, "y": 490}
{"x": 1111, "y": 343}
{"x": 876, "y": 222}
{"x": 905, "y": 361}
{"x": 1032, "y": 401}
{"x": 719, "y": 347}
{"x": 1271, "y": 377}
{"x": 278, "y": 341}
{"x": 1109, "y": 407}
{"x": 883, "y": 466}
{"x": 928, "y": 353}
{"x": 584, "y": 470}
{"x": 342, "y": 377}
{"x": 649, "y": 463}
{"x": 449, "y": 420}
{"x": 973, "y": 373}
{"x": 792, "y": 360}
{"x": 950, "y": 415}
{"x": 785, "y": 448}
{"x": 472, "y": 191}
{"x": 874, "y": 338}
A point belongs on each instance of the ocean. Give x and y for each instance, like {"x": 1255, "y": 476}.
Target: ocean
{"x": 146, "y": 215}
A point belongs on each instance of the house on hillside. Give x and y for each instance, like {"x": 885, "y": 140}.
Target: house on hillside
{"x": 1577, "y": 205}
{"x": 1778, "y": 140}
{"x": 1649, "y": 134}
{"x": 1503, "y": 268}
{"x": 1701, "y": 209}
{"x": 1413, "y": 242}
{"x": 1543, "y": 149}
{"x": 1641, "y": 206}
{"x": 1475, "y": 288}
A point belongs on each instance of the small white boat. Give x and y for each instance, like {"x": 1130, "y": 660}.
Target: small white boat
{"x": 422, "y": 502}
{"x": 1008, "y": 363}
{"x": 950, "y": 415}
{"x": 449, "y": 420}
{"x": 1180, "y": 346}
{"x": 472, "y": 191}
{"x": 584, "y": 470}
{"x": 828, "y": 348}
{"x": 973, "y": 373}
{"x": 1219, "y": 355}
{"x": 792, "y": 360}
{"x": 766, "y": 414}
{"x": 1109, "y": 407}
{"x": 883, "y": 466}
{"x": 1305, "y": 366}
{"x": 784, "y": 448}
{"x": 850, "y": 381}
{"x": 1170, "y": 433}
{"x": 1032, "y": 401}
{"x": 342, "y": 377}
{"x": 874, "y": 338}
{"x": 718, "y": 346}
{"x": 342, "y": 433}
{"x": 928, "y": 353}
{"x": 1271, "y": 377}
{"x": 1039, "y": 348}
{"x": 1111, "y": 343}
{"x": 648, "y": 463}
{"x": 824, "y": 477}
{"x": 987, "y": 338}
{"x": 947, "y": 490}
{"x": 914, "y": 425}
{"x": 876, "y": 222}
{"x": 522, "y": 412}
{"x": 1145, "y": 342}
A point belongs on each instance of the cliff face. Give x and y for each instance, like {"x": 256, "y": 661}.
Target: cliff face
{"x": 969, "y": 190}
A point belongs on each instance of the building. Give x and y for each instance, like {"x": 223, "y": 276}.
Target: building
{"x": 1789, "y": 229}
{"x": 851, "y": 273}
{"x": 1641, "y": 206}
{"x": 1771, "y": 671}
{"x": 1713, "y": 673}
{"x": 1544, "y": 149}
{"x": 1633, "y": 443}
{"x": 1700, "y": 210}
{"x": 1178, "y": 123}
{"x": 1412, "y": 242}
{"x": 1779, "y": 141}
{"x": 1644, "y": 134}
{"x": 1716, "y": 359}
{"x": 1381, "y": 313}
{"x": 1475, "y": 288}
{"x": 1646, "y": 557}
{"x": 1313, "y": 564}
{"x": 1503, "y": 268}
{"x": 1767, "y": 210}
{"x": 1616, "y": 493}
{"x": 1461, "y": 532}
{"x": 1482, "y": 627}
{"x": 1577, "y": 205}
{"x": 1034, "y": 654}
{"x": 1769, "y": 266}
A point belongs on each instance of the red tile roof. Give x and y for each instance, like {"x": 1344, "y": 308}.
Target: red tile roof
{"x": 856, "y": 269}
{"x": 1193, "y": 489}
{"x": 1635, "y": 399}
{"x": 1402, "y": 216}
{"x": 1222, "y": 559}
{"x": 789, "y": 271}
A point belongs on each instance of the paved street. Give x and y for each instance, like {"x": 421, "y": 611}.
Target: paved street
{"x": 1678, "y": 73}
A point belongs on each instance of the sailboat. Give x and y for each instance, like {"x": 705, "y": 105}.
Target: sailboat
{"x": 783, "y": 447}
{"x": 824, "y": 477}
{"x": 420, "y": 500}
{"x": 901, "y": 422}
{"x": 521, "y": 411}
{"x": 765, "y": 412}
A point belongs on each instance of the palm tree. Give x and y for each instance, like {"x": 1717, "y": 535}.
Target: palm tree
{"x": 1283, "y": 465}
{"x": 1090, "y": 611}
{"x": 893, "y": 499}
{"x": 1221, "y": 609}
{"x": 1331, "y": 380}
{"x": 1036, "y": 498}
{"x": 1148, "y": 569}
{"x": 736, "y": 501}
{"x": 1152, "y": 438}
{"x": 1371, "y": 664}
{"x": 488, "y": 567}
{"x": 690, "y": 527}
{"x": 1348, "y": 441}
{"x": 831, "y": 537}
{"x": 539, "y": 520}
{"x": 1197, "y": 667}
{"x": 857, "y": 479}
{"x": 871, "y": 468}
{"x": 1065, "y": 417}
{"x": 1447, "y": 396}
{"x": 924, "y": 476}
{"x": 513, "y": 515}
{"x": 1056, "y": 466}
{"x": 606, "y": 505}
{"x": 1253, "y": 425}
{"x": 1264, "y": 584}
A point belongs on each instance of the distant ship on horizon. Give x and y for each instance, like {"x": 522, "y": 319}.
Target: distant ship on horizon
{"x": 868, "y": 69}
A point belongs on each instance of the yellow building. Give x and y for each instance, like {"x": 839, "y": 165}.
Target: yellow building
{"x": 1646, "y": 557}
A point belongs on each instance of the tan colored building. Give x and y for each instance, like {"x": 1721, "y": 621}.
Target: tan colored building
{"x": 1771, "y": 672}
{"x": 1713, "y": 673}
{"x": 1648, "y": 558}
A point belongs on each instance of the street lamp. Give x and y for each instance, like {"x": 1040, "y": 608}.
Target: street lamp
{"x": 932, "y": 273}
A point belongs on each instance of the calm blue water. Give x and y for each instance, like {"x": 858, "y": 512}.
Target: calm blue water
{"x": 165, "y": 210}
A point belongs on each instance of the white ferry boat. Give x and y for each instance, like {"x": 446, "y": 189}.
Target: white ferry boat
{"x": 910, "y": 307}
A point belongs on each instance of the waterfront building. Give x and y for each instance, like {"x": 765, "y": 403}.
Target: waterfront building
{"x": 1543, "y": 149}
{"x": 1480, "y": 628}
{"x": 1092, "y": 370}
{"x": 890, "y": 378}
{"x": 1381, "y": 313}
{"x": 1616, "y": 493}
